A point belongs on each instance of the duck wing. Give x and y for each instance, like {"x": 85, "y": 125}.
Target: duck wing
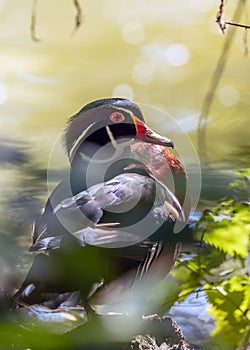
{"x": 114, "y": 213}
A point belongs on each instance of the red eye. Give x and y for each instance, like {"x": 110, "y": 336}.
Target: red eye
{"x": 117, "y": 117}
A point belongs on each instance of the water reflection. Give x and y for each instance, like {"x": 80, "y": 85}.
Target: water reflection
{"x": 3, "y": 94}
{"x": 177, "y": 55}
{"x": 37, "y": 79}
{"x": 123, "y": 90}
{"x": 193, "y": 309}
{"x": 133, "y": 32}
{"x": 12, "y": 152}
{"x": 228, "y": 96}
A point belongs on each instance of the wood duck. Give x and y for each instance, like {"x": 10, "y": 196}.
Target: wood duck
{"x": 107, "y": 226}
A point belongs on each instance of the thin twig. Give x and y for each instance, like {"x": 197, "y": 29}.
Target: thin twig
{"x": 223, "y": 25}
{"x": 245, "y": 42}
{"x": 219, "y": 17}
{"x": 209, "y": 98}
{"x": 33, "y": 21}
{"x": 245, "y": 35}
{"x": 246, "y": 26}
{"x": 245, "y": 340}
{"x": 79, "y": 15}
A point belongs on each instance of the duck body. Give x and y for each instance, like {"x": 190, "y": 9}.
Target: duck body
{"x": 109, "y": 224}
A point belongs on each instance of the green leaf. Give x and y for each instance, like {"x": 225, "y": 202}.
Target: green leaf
{"x": 230, "y": 305}
{"x": 227, "y": 228}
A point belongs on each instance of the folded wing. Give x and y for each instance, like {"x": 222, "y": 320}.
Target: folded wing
{"x": 104, "y": 215}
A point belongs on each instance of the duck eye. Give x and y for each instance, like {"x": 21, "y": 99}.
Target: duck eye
{"x": 117, "y": 117}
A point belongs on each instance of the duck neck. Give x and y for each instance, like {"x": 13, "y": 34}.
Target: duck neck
{"x": 86, "y": 171}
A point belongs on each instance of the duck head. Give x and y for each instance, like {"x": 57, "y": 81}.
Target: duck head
{"x": 113, "y": 121}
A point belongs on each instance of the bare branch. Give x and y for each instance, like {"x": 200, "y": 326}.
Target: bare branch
{"x": 245, "y": 43}
{"x": 79, "y": 18}
{"x": 219, "y": 17}
{"x": 209, "y": 98}
{"x": 33, "y": 21}
{"x": 246, "y": 26}
{"x": 223, "y": 24}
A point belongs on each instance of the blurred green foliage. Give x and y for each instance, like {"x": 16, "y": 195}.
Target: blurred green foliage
{"x": 220, "y": 267}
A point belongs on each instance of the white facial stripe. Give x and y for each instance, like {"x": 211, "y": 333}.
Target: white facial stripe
{"x": 81, "y": 137}
{"x": 118, "y": 147}
{"x": 112, "y": 139}
{"x": 78, "y": 140}
{"x": 124, "y": 110}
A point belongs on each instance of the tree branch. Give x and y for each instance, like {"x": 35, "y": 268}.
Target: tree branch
{"x": 220, "y": 67}
{"x": 79, "y": 15}
{"x": 33, "y": 21}
{"x": 246, "y": 26}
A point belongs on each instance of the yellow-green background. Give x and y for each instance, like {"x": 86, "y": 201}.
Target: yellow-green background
{"x": 42, "y": 83}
